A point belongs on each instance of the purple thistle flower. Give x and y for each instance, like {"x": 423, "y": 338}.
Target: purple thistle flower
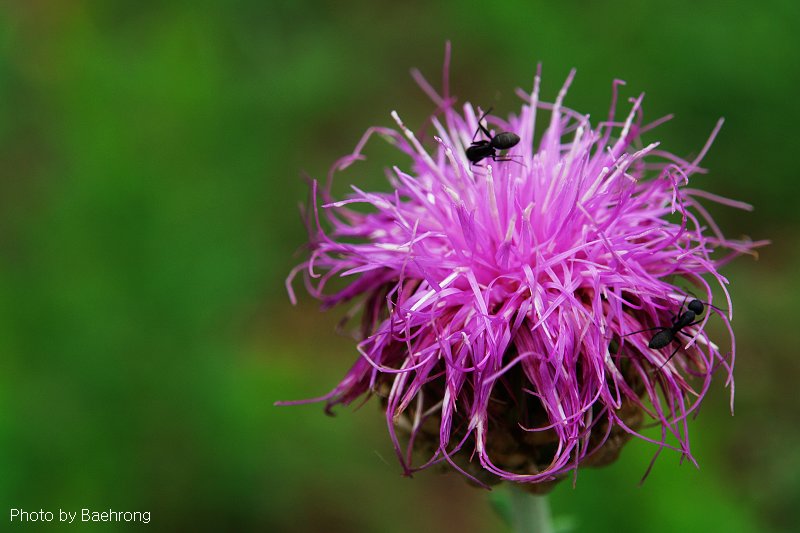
{"x": 499, "y": 301}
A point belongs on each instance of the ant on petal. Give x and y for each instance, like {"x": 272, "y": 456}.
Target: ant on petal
{"x": 482, "y": 149}
{"x": 666, "y": 334}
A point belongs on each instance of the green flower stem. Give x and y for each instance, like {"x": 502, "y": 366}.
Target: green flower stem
{"x": 529, "y": 513}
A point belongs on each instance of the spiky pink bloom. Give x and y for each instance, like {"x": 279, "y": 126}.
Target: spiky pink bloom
{"x": 498, "y": 300}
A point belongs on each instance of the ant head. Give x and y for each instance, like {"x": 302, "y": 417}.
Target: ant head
{"x": 696, "y": 306}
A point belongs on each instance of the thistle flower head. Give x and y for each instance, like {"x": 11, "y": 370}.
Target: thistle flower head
{"x": 507, "y": 306}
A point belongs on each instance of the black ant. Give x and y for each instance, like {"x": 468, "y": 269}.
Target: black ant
{"x": 667, "y": 334}
{"x": 482, "y": 149}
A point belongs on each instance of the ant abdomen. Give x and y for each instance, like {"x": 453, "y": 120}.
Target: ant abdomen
{"x": 505, "y": 140}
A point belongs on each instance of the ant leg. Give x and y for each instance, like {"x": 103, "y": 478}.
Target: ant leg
{"x": 680, "y": 331}
{"x": 680, "y": 309}
{"x": 684, "y": 334}
{"x": 508, "y": 158}
{"x": 480, "y": 126}
{"x": 692, "y": 324}
{"x": 476, "y": 133}
{"x": 485, "y": 113}
{"x": 660, "y": 328}
{"x": 674, "y": 318}
{"x": 670, "y": 357}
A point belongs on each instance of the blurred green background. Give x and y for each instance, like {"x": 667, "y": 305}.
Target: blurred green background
{"x": 151, "y": 156}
